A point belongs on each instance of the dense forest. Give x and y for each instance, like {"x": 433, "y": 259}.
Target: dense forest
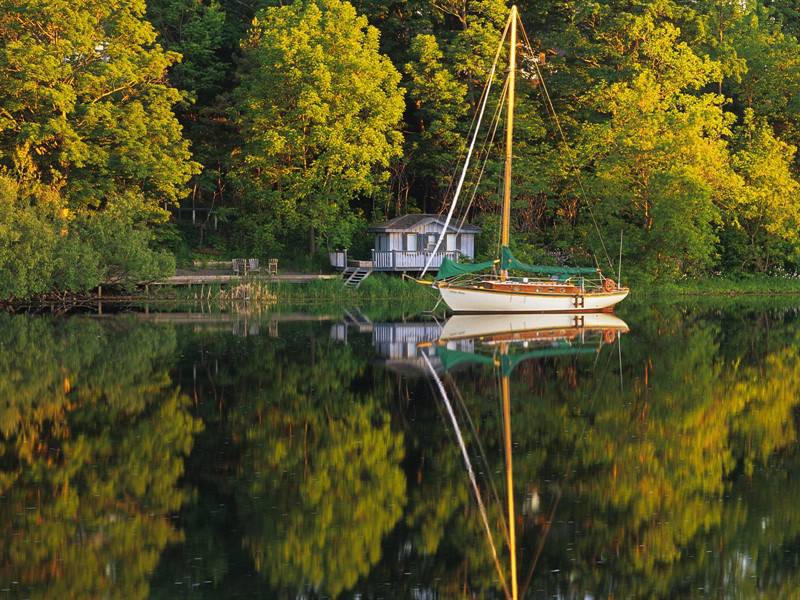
{"x": 299, "y": 124}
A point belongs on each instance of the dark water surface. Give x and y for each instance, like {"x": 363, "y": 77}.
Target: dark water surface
{"x": 176, "y": 456}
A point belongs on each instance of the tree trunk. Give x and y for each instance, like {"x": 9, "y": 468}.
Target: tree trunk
{"x": 312, "y": 242}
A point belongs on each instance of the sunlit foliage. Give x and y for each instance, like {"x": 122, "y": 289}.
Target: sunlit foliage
{"x": 319, "y": 108}
{"x": 89, "y": 140}
{"x": 93, "y": 437}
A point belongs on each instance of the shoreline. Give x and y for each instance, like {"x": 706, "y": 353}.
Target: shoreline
{"x": 308, "y": 289}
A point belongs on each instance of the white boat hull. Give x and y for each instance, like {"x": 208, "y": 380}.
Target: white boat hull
{"x": 475, "y": 300}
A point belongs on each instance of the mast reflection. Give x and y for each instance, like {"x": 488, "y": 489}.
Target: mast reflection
{"x": 502, "y": 342}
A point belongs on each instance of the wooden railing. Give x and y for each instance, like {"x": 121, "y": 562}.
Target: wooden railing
{"x": 412, "y": 261}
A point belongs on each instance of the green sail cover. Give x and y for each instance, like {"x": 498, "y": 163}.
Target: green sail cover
{"x": 451, "y": 268}
{"x": 509, "y": 263}
{"x": 453, "y": 358}
{"x": 510, "y": 361}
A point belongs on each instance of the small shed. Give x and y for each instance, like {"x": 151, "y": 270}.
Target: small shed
{"x": 405, "y": 243}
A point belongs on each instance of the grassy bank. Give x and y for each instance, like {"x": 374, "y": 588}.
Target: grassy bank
{"x": 391, "y": 287}
{"x": 392, "y": 292}
{"x": 379, "y": 286}
{"x": 378, "y": 290}
{"x": 718, "y": 286}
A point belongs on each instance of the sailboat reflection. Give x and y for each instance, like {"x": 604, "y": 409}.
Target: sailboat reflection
{"x": 503, "y": 342}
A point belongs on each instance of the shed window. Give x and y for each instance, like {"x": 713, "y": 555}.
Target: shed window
{"x": 382, "y": 244}
{"x": 452, "y": 242}
{"x": 411, "y": 242}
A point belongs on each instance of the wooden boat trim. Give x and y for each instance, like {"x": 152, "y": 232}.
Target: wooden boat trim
{"x": 529, "y": 335}
{"x": 543, "y": 294}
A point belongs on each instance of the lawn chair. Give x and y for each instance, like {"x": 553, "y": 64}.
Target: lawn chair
{"x": 272, "y": 266}
{"x": 239, "y": 266}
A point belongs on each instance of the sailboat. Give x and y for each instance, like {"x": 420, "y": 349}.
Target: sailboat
{"x": 468, "y": 288}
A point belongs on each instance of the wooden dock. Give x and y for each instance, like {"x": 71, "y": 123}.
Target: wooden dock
{"x": 218, "y": 278}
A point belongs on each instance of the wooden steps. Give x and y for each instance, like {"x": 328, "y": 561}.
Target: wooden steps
{"x": 355, "y": 318}
{"x": 353, "y": 276}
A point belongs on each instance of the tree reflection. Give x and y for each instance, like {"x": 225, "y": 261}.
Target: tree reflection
{"x": 321, "y": 474}
{"x": 321, "y": 502}
{"x": 93, "y": 442}
{"x": 314, "y": 468}
{"x": 642, "y": 478}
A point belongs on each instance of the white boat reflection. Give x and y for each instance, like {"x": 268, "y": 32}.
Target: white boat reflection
{"x": 399, "y": 346}
{"x": 532, "y": 327}
{"x": 501, "y": 342}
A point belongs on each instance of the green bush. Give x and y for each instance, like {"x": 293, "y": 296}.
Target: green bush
{"x": 45, "y": 248}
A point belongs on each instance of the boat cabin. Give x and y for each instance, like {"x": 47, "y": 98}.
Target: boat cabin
{"x": 405, "y": 243}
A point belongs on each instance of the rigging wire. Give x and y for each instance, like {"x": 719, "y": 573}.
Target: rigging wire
{"x": 570, "y": 155}
{"x": 482, "y": 454}
{"x": 462, "y": 154}
{"x": 487, "y": 145}
{"x": 484, "y": 102}
{"x": 471, "y": 473}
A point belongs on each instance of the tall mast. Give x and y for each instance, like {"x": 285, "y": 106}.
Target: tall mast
{"x": 512, "y": 68}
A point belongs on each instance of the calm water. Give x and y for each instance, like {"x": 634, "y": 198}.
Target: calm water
{"x": 169, "y": 456}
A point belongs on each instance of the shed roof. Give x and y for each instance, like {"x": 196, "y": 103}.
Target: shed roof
{"x": 406, "y": 222}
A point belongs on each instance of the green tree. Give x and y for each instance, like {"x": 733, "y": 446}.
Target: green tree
{"x": 788, "y": 13}
{"x": 90, "y": 149}
{"x": 195, "y": 31}
{"x": 206, "y": 34}
{"x": 84, "y": 95}
{"x": 437, "y": 101}
{"x": 765, "y": 207}
{"x": 319, "y": 110}
{"x": 662, "y": 163}
{"x": 770, "y": 86}
{"x": 46, "y": 247}
{"x": 28, "y": 236}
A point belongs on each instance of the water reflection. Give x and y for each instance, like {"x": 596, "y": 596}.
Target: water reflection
{"x": 142, "y": 459}
{"x": 550, "y": 335}
{"x": 94, "y": 436}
